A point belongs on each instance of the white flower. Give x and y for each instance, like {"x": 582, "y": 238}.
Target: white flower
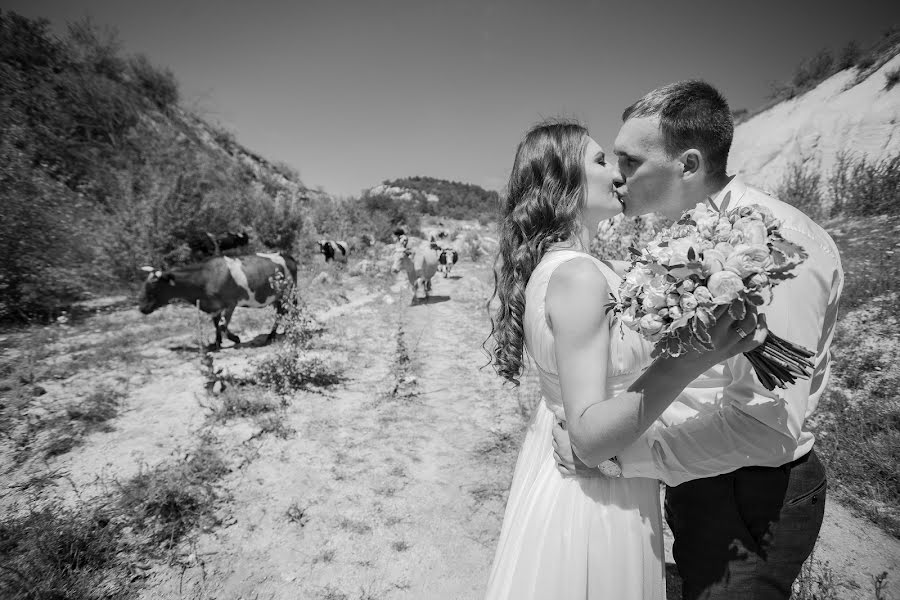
{"x": 725, "y": 286}
{"x": 651, "y": 324}
{"x": 752, "y": 229}
{"x": 747, "y": 260}
{"x": 703, "y": 295}
{"x": 713, "y": 261}
{"x": 688, "y": 302}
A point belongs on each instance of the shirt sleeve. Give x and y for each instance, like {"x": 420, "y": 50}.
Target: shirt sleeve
{"x": 750, "y": 424}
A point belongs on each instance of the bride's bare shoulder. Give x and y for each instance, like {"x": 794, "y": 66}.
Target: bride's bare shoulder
{"x": 575, "y": 285}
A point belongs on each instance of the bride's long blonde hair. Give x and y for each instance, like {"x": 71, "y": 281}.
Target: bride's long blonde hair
{"x": 543, "y": 205}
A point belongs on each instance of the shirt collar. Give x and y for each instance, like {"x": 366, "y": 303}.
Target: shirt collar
{"x": 736, "y": 187}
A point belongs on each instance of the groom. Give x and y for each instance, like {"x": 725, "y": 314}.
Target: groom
{"x": 746, "y": 491}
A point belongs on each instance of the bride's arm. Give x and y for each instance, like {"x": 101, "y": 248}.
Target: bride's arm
{"x": 598, "y": 427}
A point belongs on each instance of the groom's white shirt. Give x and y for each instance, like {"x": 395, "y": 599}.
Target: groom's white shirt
{"x": 725, "y": 419}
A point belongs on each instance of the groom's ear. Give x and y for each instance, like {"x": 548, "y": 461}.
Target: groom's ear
{"x": 691, "y": 163}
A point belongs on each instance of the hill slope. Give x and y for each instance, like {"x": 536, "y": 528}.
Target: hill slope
{"x": 841, "y": 114}
{"x": 103, "y": 171}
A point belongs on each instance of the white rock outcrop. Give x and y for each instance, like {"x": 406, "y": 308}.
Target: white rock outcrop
{"x": 815, "y": 127}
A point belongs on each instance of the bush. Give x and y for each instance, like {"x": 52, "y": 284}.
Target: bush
{"x": 42, "y": 238}
{"x": 862, "y": 187}
{"x": 856, "y": 186}
{"x": 615, "y": 236}
{"x": 386, "y": 214}
{"x": 289, "y": 370}
{"x": 168, "y": 501}
{"x": 60, "y": 553}
{"x": 814, "y": 70}
{"x": 891, "y": 78}
{"x": 849, "y": 57}
{"x": 800, "y": 187}
{"x": 157, "y": 85}
{"x": 866, "y": 60}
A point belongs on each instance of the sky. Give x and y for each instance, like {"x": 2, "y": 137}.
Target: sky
{"x": 353, "y": 92}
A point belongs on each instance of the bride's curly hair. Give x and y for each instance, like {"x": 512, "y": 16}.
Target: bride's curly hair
{"x": 543, "y": 203}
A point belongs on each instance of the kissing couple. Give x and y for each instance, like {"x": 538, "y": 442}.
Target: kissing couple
{"x": 745, "y": 491}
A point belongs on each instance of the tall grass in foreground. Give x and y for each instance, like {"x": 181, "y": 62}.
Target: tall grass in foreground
{"x": 97, "y": 549}
{"x": 857, "y": 424}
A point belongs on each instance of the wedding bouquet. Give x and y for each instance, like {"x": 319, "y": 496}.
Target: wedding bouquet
{"x": 712, "y": 257}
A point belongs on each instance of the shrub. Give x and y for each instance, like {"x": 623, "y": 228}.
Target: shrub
{"x": 242, "y": 402}
{"x": 891, "y": 78}
{"x": 289, "y": 370}
{"x": 159, "y": 86}
{"x": 42, "y": 238}
{"x": 615, "y": 236}
{"x": 869, "y": 187}
{"x": 168, "y": 501}
{"x": 800, "y": 187}
{"x": 866, "y": 60}
{"x": 472, "y": 246}
{"x": 856, "y": 186}
{"x": 849, "y": 56}
{"x": 814, "y": 70}
{"x": 62, "y": 553}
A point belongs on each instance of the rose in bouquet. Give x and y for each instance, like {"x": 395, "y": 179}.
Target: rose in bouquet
{"x": 713, "y": 259}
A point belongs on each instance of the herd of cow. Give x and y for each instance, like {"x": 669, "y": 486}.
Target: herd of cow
{"x": 222, "y": 283}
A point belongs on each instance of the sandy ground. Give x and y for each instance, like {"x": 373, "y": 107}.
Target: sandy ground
{"x": 392, "y": 484}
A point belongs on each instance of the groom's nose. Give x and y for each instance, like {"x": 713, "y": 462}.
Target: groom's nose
{"x": 618, "y": 179}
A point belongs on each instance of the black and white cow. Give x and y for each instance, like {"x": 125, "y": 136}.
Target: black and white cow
{"x": 222, "y": 284}
{"x": 446, "y": 260}
{"x": 214, "y": 245}
{"x": 334, "y": 250}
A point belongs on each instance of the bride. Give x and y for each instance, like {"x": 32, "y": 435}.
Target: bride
{"x": 579, "y": 536}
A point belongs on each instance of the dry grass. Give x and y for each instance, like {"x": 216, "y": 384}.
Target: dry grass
{"x": 168, "y": 501}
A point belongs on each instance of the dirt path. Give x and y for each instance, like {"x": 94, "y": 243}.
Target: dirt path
{"x": 394, "y": 483}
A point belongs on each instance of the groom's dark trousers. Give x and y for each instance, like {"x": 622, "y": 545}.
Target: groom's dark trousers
{"x": 745, "y": 535}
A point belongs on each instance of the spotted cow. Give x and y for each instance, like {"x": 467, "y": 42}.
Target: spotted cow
{"x": 334, "y": 250}
{"x": 221, "y": 284}
{"x": 446, "y": 260}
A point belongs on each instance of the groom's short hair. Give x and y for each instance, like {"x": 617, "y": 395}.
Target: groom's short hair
{"x": 692, "y": 114}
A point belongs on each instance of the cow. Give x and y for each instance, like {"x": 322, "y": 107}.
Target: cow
{"x": 419, "y": 265}
{"x": 214, "y": 245}
{"x": 333, "y": 250}
{"x": 446, "y": 260}
{"x": 221, "y": 284}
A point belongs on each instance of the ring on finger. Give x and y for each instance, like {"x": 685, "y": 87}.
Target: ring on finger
{"x": 741, "y": 332}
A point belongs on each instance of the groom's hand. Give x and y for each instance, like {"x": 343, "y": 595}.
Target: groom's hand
{"x": 566, "y": 461}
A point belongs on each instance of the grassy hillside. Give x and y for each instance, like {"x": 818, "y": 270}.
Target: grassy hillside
{"x": 101, "y": 171}
{"x": 858, "y": 421}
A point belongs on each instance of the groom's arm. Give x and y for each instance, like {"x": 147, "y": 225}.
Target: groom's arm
{"x": 754, "y": 426}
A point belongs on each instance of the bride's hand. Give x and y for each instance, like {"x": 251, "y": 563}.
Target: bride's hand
{"x": 566, "y": 461}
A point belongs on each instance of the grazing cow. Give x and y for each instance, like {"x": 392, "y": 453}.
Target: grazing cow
{"x": 420, "y": 266}
{"x": 214, "y": 245}
{"x": 446, "y": 260}
{"x": 221, "y": 284}
{"x": 333, "y": 250}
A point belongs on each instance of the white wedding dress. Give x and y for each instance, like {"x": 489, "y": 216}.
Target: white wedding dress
{"x": 571, "y": 538}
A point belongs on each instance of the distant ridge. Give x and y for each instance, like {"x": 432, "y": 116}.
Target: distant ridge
{"x": 440, "y": 197}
